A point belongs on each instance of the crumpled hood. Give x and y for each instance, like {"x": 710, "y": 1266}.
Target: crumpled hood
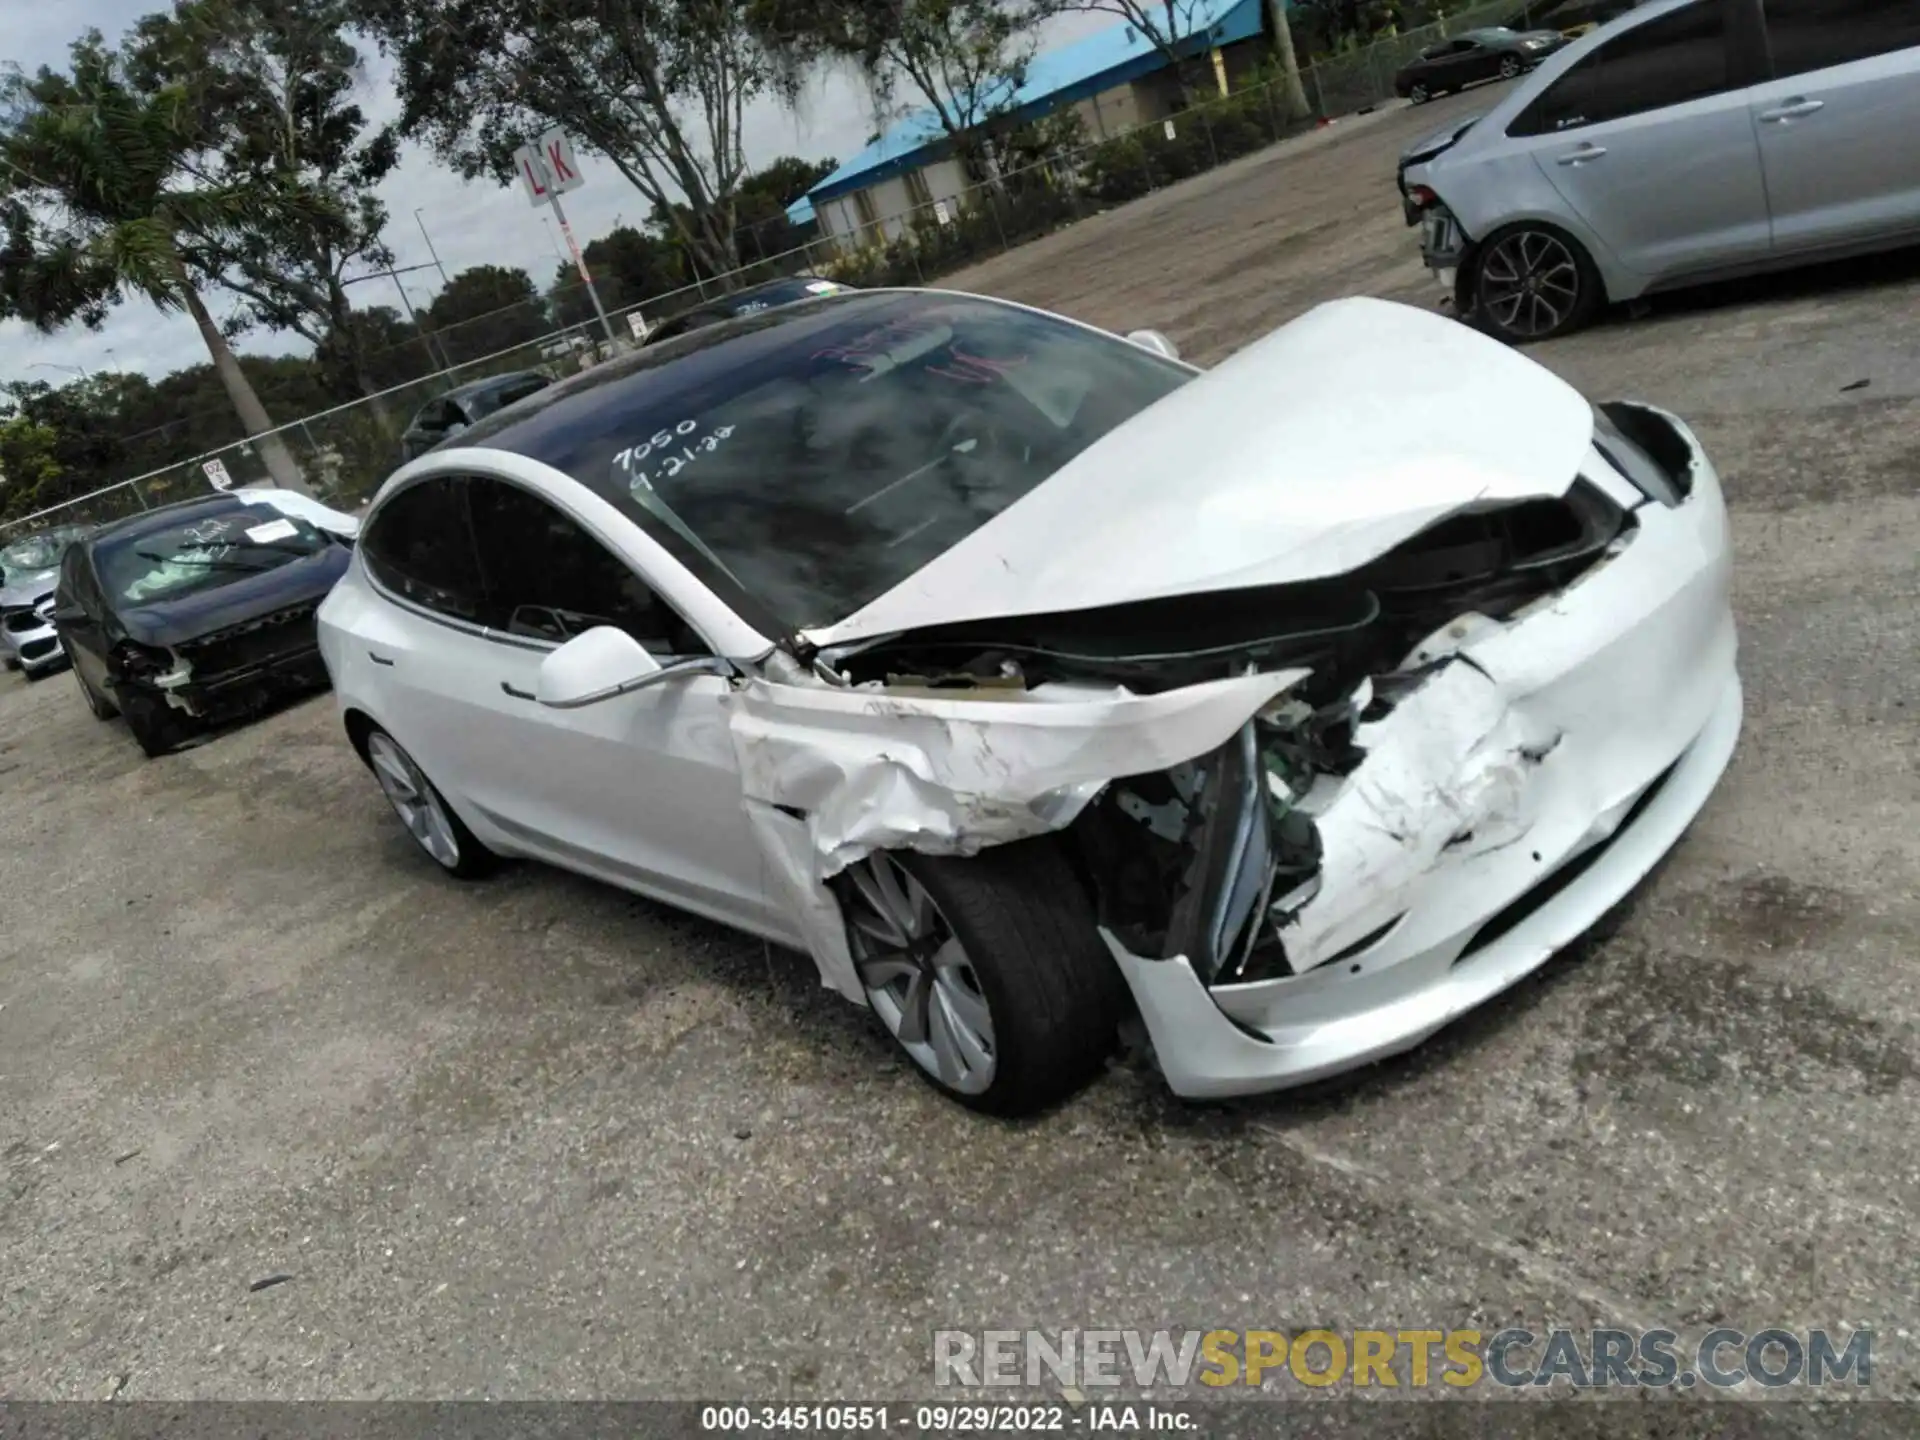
{"x": 1309, "y": 453}
{"x": 25, "y": 587}
{"x": 202, "y": 612}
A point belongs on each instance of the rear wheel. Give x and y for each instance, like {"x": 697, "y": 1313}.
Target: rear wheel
{"x": 156, "y": 725}
{"x": 1532, "y": 283}
{"x": 988, "y": 972}
{"x": 425, "y": 812}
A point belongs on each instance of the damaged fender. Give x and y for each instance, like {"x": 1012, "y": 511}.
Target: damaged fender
{"x": 831, "y": 775}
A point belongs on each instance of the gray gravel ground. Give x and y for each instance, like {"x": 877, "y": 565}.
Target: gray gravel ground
{"x": 540, "y": 1139}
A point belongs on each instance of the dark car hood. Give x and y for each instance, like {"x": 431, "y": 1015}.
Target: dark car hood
{"x": 244, "y": 598}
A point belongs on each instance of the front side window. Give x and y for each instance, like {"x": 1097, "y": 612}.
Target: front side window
{"x": 811, "y": 458}
{"x": 548, "y": 578}
{"x": 202, "y": 552}
{"x": 419, "y": 546}
{"x": 1808, "y": 35}
{"x": 1679, "y": 57}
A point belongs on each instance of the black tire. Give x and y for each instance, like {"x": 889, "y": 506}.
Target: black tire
{"x": 1496, "y": 277}
{"x": 157, "y": 727}
{"x": 1029, "y": 935}
{"x": 1509, "y": 67}
{"x": 457, "y": 852}
{"x": 1420, "y": 94}
{"x": 98, "y": 705}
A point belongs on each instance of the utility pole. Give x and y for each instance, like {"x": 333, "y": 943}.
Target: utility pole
{"x": 430, "y": 250}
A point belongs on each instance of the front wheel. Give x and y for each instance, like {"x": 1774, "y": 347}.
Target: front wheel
{"x": 97, "y": 705}
{"x": 425, "y": 812}
{"x": 1530, "y": 283}
{"x": 157, "y": 727}
{"x": 1420, "y": 93}
{"x": 987, "y": 971}
{"x": 1509, "y": 67}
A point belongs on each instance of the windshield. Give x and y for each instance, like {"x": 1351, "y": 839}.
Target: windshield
{"x": 202, "y": 553}
{"x": 37, "y": 552}
{"x": 816, "y": 462}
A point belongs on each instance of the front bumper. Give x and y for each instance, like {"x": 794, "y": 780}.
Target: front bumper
{"x": 34, "y": 651}
{"x": 1625, "y": 681}
{"x": 239, "y": 692}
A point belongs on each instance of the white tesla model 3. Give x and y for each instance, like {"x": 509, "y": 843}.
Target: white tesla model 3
{"x": 1023, "y": 675}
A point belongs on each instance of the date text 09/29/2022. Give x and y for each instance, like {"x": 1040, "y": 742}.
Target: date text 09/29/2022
{"x": 942, "y": 1419}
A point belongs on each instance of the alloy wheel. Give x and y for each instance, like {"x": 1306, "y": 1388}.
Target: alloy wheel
{"x": 917, "y": 975}
{"x": 1509, "y": 68}
{"x": 1419, "y": 95}
{"x": 1530, "y": 283}
{"x": 413, "y": 799}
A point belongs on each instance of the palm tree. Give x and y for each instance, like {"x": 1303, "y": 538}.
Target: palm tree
{"x": 100, "y": 200}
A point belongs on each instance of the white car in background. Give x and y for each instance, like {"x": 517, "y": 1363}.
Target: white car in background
{"x": 1687, "y": 141}
{"x": 1025, "y": 676}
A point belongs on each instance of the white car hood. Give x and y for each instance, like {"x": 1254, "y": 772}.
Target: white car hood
{"x": 1309, "y": 453}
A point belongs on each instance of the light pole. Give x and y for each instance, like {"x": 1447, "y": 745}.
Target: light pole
{"x": 430, "y": 250}
{"x": 425, "y": 331}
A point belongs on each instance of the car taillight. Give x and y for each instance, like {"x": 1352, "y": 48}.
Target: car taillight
{"x": 1422, "y": 196}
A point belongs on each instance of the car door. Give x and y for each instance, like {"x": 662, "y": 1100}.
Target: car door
{"x": 78, "y": 603}
{"x": 642, "y": 789}
{"x": 1839, "y": 122}
{"x": 425, "y": 641}
{"x": 1648, "y": 139}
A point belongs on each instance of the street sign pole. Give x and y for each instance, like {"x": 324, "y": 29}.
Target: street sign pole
{"x": 580, "y": 264}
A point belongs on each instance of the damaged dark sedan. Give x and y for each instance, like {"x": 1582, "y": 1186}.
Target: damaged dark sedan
{"x": 201, "y": 612}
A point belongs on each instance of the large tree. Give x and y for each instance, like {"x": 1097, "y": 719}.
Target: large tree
{"x": 98, "y": 203}
{"x": 964, "y": 61}
{"x": 272, "y": 86}
{"x": 486, "y": 309}
{"x": 656, "y": 87}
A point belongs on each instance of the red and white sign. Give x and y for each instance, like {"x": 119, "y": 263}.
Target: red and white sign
{"x": 547, "y": 168}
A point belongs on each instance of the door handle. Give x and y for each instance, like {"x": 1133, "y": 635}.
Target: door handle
{"x": 1583, "y": 154}
{"x": 1793, "y": 110}
{"x": 378, "y": 658}
{"x": 516, "y": 694}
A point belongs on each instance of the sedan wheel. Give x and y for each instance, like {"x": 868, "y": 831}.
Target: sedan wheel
{"x": 1532, "y": 284}
{"x": 1420, "y": 94}
{"x": 918, "y": 978}
{"x": 434, "y": 827}
{"x": 988, "y": 971}
{"x": 1509, "y": 67}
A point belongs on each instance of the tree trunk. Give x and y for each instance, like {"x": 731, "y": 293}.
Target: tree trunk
{"x": 1293, "y": 94}
{"x": 253, "y": 415}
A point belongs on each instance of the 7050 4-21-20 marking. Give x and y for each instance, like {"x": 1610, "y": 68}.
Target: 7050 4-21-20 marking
{"x": 672, "y": 450}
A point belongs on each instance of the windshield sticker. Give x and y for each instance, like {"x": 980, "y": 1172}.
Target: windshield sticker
{"x": 667, "y": 453}
{"x": 273, "y": 530}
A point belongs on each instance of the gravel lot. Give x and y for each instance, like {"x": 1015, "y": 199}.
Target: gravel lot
{"x": 540, "y": 1139}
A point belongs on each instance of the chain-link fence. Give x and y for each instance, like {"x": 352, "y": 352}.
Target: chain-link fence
{"x": 344, "y": 453}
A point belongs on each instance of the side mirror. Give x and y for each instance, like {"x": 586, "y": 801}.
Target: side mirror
{"x": 598, "y": 665}
{"x": 1153, "y": 340}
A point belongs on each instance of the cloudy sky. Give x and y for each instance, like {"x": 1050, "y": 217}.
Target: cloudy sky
{"x": 470, "y": 222}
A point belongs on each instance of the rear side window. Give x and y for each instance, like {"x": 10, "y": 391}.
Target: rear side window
{"x": 1679, "y": 57}
{"x": 420, "y": 547}
{"x": 1810, "y": 35}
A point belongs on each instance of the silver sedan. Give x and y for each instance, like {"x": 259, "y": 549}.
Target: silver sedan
{"x": 1687, "y": 141}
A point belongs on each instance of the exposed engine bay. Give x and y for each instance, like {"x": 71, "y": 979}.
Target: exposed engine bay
{"x": 1217, "y": 858}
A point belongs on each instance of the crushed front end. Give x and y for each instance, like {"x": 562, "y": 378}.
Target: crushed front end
{"x": 1471, "y": 748}
{"x": 231, "y": 671}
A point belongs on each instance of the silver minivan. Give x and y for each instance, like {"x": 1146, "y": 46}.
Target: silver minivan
{"x": 1688, "y": 140}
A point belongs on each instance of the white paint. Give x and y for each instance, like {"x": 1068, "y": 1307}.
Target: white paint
{"x": 1305, "y": 455}
{"x": 556, "y": 154}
